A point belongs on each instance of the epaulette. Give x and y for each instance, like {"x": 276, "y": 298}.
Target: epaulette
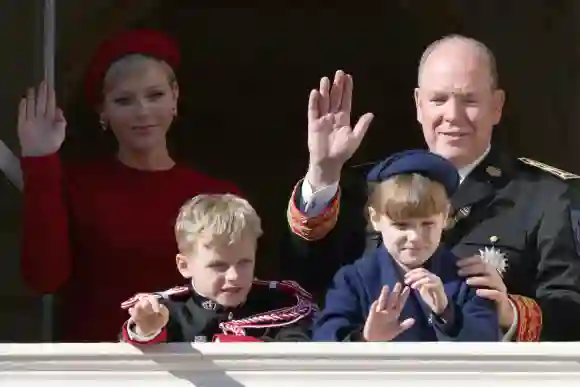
{"x": 178, "y": 290}
{"x": 548, "y": 168}
{"x": 303, "y": 307}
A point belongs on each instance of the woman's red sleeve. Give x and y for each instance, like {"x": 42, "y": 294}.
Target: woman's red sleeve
{"x": 45, "y": 252}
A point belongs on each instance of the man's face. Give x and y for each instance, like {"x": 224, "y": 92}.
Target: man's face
{"x": 457, "y": 106}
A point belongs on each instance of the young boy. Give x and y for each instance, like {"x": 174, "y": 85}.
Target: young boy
{"x": 217, "y": 238}
{"x": 407, "y": 288}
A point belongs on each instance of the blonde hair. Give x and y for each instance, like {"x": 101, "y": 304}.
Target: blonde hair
{"x": 409, "y": 196}
{"x": 131, "y": 63}
{"x": 216, "y": 219}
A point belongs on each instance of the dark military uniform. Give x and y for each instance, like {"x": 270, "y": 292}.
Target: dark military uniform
{"x": 526, "y": 210}
{"x": 273, "y": 311}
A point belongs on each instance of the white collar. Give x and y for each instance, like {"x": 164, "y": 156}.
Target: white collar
{"x": 465, "y": 171}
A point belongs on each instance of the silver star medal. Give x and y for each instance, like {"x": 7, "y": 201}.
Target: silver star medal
{"x": 494, "y": 257}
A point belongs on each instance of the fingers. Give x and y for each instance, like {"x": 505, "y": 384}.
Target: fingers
{"x": 421, "y": 278}
{"x": 393, "y": 302}
{"x": 426, "y": 282}
{"x": 404, "y": 296}
{"x": 468, "y": 261}
{"x": 490, "y": 294}
{"x": 374, "y": 309}
{"x": 406, "y": 324}
{"x": 361, "y": 127}
{"x": 313, "y": 105}
{"x": 147, "y": 305}
{"x": 59, "y": 116}
{"x": 474, "y": 269}
{"x": 336, "y": 91}
{"x": 383, "y": 300}
{"x": 41, "y": 98}
{"x": 154, "y": 302}
{"x": 487, "y": 281}
{"x": 482, "y": 282}
{"x": 392, "y": 298}
{"x": 51, "y": 102}
{"x": 346, "y": 101}
{"x": 324, "y": 100}
{"x": 22, "y": 111}
{"x": 30, "y": 103}
{"x": 473, "y": 265}
{"x": 414, "y": 275}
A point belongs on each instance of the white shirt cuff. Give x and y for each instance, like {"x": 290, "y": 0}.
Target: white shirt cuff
{"x": 133, "y": 335}
{"x": 514, "y": 327}
{"x": 315, "y": 202}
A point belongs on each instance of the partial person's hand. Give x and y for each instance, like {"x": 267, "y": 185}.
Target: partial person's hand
{"x": 41, "y": 124}
{"x": 149, "y": 315}
{"x": 383, "y": 322}
{"x": 430, "y": 288}
{"x": 489, "y": 284}
{"x": 331, "y": 139}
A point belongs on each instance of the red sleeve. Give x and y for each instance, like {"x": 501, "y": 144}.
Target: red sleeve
{"x": 45, "y": 252}
{"x": 160, "y": 338}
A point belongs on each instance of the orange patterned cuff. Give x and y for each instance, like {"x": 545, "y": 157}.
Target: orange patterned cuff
{"x": 316, "y": 227}
{"x": 529, "y": 318}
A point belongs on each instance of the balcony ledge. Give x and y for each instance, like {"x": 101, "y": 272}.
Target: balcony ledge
{"x": 290, "y": 364}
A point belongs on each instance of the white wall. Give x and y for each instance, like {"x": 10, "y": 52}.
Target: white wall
{"x": 291, "y": 365}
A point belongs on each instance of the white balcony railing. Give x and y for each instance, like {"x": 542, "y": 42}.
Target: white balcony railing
{"x": 291, "y": 365}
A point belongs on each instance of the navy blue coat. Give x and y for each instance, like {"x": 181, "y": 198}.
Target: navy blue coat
{"x": 357, "y": 286}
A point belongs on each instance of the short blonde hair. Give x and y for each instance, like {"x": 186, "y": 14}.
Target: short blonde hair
{"x": 130, "y": 63}
{"x": 409, "y": 196}
{"x": 218, "y": 219}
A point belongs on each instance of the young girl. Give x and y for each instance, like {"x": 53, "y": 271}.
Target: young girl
{"x": 217, "y": 236}
{"x": 93, "y": 230}
{"x": 407, "y": 288}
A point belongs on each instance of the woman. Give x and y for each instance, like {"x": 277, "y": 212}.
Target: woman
{"x": 98, "y": 231}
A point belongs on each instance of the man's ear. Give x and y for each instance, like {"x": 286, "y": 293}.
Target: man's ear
{"x": 416, "y": 97}
{"x": 183, "y": 265}
{"x": 498, "y": 103}
{"x": 374, "y": 218}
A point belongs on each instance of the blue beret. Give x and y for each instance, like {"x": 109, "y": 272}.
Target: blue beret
{"x": 417, "y": 161}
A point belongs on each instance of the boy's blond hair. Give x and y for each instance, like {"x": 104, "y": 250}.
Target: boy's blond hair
{"x": 408, "y": 196}
{"x": 217, "y": 219}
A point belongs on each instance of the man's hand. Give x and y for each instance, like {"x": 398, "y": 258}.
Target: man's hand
{"x": 489, "y": 285}
{"x": 331, "y": 140}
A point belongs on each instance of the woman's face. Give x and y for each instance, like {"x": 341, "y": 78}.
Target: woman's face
{"x": 140, "y": 102}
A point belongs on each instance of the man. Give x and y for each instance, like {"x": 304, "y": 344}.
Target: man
{"x": 522, "y": 209}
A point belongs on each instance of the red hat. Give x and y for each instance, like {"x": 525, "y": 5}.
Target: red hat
{"x": 138, "y": 41}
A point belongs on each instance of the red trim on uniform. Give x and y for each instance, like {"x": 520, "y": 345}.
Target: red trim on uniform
{"x": 284, "y": 316}
{"x": 166, "y": 293}
{"x": 222, "y": 338}
{"x": 160, "y": 338}
{"x": 529, "y": 318}
{"x": 316, "y": 227}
